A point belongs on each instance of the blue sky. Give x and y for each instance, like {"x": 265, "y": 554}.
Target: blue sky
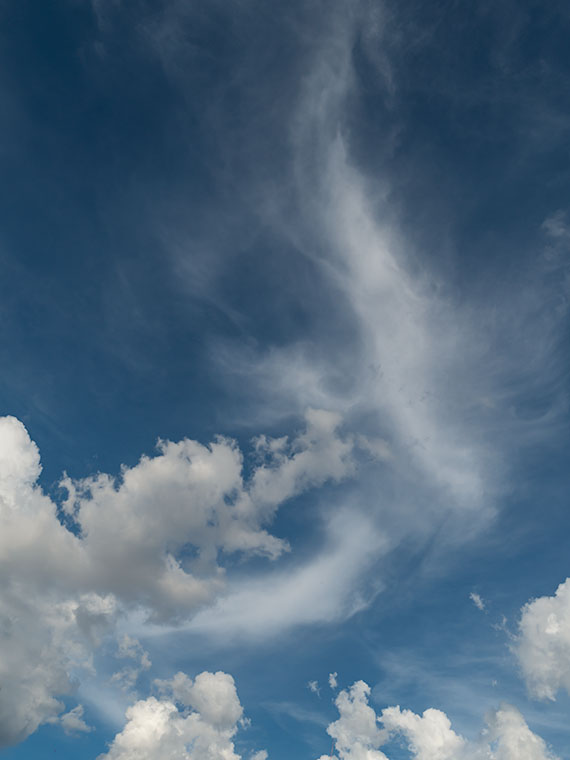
{"x": 284, "y": 301}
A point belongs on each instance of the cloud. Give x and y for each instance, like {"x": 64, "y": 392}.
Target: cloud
{"x": 194, "y": 720}
{"x": 413, "y": 355}
{"x": 72, "y": 722}
{"x": 296, "y": 712}
{"x": 333, "y": 682}
{"x": 356, "y": 733}
{"x": 149, "y": 540}
{"x": 328, "y": 587}
{"x": 131, "y": 649}
{"x": 556, "y": 226}
{"x": 543, "y": 643}
{"x": 477, "y": 601}
{"x": 314, "y": 687}
{"x": 167, "y": 559}
{"x": 443, "y": 381}
{"x": 429, "y": 736}
{"x": 359, "y": 733}
{"x": 47, "y": 643}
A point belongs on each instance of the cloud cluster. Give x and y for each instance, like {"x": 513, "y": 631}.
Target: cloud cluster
{"x": 359, "y": 733}
{"x": 150, "y": 539}
{"x": 191, "y": 720}
{"x": 543, "y": 645}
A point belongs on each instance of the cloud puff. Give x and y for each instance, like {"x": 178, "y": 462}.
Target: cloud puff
{"x": 193, "y": 720}
{"x": 356, "y": 733}
{"x": 543, "y": 645}
{"x": 359, "y": 733}
{"x": 150, "y": 540}
{"x": 477, "y": 601}
{"x": 72, "y": 722}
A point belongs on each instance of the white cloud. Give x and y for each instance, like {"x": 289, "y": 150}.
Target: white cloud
{"x": 194, "y": 720}
{"x": 514, "y": 739}
{"x": 44, "y": 642}
{"x": 333, "y": 682}
{"x": 359, "y": 734}
{"x": 356, "y": 733}
{"x": 72, "y": 722}
{"x": 477, "y": 601}
{"x": 429, "y": 736}
{"x": 47, "y": 633}
{"x": 438, "y": 380}
{"x": 141, "y": 553}
{"x": 543, "y": 645}
{"x": 314, "y": 457}
{"x": 415, "y": 364}
{"x": 314, "y": 687}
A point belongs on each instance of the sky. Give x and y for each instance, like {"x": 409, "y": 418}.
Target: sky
{"x": 284, "y": 387}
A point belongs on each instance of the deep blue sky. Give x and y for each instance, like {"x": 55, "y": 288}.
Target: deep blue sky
{"x": 216, "y": 215}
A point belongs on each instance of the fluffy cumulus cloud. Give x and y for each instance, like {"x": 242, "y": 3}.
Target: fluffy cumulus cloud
{"x": 191, "y": 720}
{"x": 46, "y": 633}
{"x": 360, "y": 734}
{"x": 543, "y": 645}
{"x": 150, "y": 540}
{"x": 166, "y": 557}
{"x": 356, "y": 733}
{"x": 45, "y": 642}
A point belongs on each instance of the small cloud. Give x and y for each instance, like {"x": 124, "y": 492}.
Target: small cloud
{"x": 477, "y": 601}
{"x": 333, "y": 683}
{"x": 503, "y": 626}
{"x": 72, "y": 722}
{"x": 556, "y": 225}
{"x": 314, "y": 687}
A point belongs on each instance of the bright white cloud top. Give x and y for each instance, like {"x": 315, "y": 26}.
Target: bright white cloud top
{"x": 193, "y": 720}
{"x": 543, "y": 645}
